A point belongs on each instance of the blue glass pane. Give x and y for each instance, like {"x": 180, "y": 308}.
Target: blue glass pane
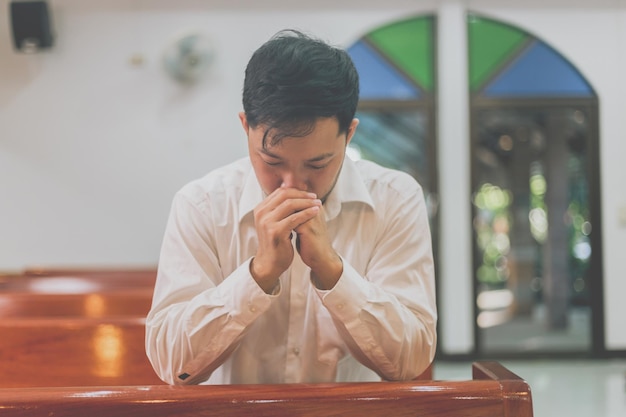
{"x": 377, "y": 79}
{"x": 539, "y": 71}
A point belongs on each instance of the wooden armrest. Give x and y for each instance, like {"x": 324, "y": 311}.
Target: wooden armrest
{"x": 476, "y": 398}
{"x": 517, "y": 394}
{"x": 492, "y": 370}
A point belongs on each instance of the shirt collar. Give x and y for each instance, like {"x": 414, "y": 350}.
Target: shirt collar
{"x": 251, "y": 195}
{"x": 349, "y": 188}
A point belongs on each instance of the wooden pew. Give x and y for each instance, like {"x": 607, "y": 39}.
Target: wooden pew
{"x": 494, "y": 392}
{"x": 519, "y": 401}
{"x": 131, "y": 302}
{"x": 148, "y": 272}
{"x": 124, "y": 294}
{"x": 78, "y": 351}
{"x": 74, "y": 351}
{"x": 64, "y": 327}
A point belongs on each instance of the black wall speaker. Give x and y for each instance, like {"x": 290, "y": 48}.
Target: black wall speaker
{"x": 32, "y": 30}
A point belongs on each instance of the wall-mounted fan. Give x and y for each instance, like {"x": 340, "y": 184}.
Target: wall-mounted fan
{"x": 188, "y": 58}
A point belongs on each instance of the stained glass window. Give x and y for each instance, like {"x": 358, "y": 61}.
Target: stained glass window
{"x": 505, "y": 61}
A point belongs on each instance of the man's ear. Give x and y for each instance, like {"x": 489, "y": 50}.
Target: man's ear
{"x": 351, "y": 130}
{"x": 244, "y": 121}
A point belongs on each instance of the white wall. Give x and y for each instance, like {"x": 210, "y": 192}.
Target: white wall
{"x": 92, "y": 147}
{"x": 455, "y": 302}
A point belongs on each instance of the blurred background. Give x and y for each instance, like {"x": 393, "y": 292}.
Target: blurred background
{"x": 509, "y": 113}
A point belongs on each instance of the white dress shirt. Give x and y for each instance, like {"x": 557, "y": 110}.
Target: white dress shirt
{"x": 210, "y": 322}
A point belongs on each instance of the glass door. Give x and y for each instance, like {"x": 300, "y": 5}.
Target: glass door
{"x": 533, "y": 221}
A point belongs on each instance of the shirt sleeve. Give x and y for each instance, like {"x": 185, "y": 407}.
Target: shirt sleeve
{"x": 387, "y": 318}
{"x": 197, "y": 316}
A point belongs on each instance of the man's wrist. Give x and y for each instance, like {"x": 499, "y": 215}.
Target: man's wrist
{"x": 267, "y": 282}
{"x": 325, "y": 277}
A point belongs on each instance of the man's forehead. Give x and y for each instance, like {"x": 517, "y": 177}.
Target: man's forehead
{"x": 274, "y": 135}
{"x": 274, "y": 152}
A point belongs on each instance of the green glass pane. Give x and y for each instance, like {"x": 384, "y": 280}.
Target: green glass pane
{"x": 408, "y": 45}
{"x": 491, "y": 44}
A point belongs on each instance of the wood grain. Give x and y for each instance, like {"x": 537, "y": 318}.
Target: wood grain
{"x": 78, "y": 281}
{"x": 131, "y": 302}
{"x": 74, "y": 352}
{"x": 475, "y": 398}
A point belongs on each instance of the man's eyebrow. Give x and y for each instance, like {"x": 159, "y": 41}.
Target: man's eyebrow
{"x": 321, "y": 157}
{"x": 268, "y": 153}
{"x": 314, "y": 159}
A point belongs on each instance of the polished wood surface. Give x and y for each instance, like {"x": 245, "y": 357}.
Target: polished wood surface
{"x": 74, "y": 351}
{"x": 135, "y": 303}
{"x": 73, "y": 345}
{"x": 486, "y": 397}
{"x": 90, "y": 272}
{"x": 514, "y": 405}
{"x": 53, "y": 294}
{"x": 78, "y": 351}
{"x": 78, "y": 282}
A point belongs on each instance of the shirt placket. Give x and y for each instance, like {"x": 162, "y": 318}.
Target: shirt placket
{"x": 297, "y": 313}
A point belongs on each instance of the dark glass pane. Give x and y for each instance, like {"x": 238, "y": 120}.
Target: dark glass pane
{"x": 532, "y": 228}
{"x": 395, "y": 139}
{"x": 399, "y": 139}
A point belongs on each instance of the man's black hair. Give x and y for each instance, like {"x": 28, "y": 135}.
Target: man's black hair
{"x": 292, "y": 80}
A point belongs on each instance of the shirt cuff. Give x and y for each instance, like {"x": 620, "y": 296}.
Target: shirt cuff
{"x": 247, "y": 298}
{"x": 349, "y": 295}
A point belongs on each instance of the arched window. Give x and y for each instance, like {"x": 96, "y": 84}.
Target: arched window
{"x": 396, "y": 65}
{"x": 536, "y": 214}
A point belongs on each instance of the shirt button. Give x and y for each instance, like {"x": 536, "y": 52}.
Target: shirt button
{"x": 252, "y": 309}
{"x": 340, "y": 306}
{"x": 296, "y": 351}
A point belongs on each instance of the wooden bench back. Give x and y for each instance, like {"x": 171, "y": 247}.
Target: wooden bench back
{"x": 486, "y": 397}
{"x": 30, "y": 300}
{"x": 78, "y": 351}
{"x": 78, "y": 282}
{"x": 74, "y": 351}
{"x": 149, "y": 272}
{"x": 133, "y": 303}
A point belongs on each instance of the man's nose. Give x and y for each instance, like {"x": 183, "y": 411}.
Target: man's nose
{"x": 295, "y": 180}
